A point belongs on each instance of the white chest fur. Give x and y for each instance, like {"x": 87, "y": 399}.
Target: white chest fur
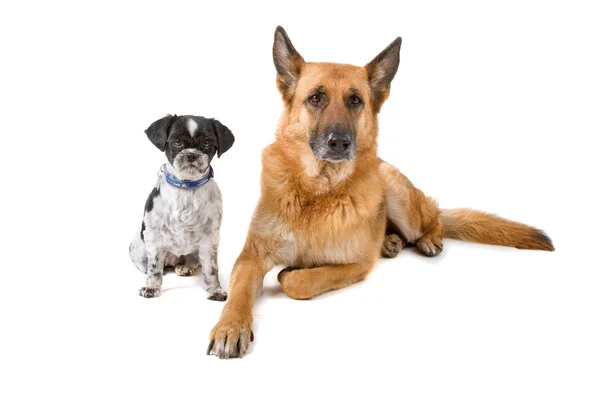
{"x": 181, "y": 219}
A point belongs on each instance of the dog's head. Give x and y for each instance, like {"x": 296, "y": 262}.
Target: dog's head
{"x": 190, "y": 142}
{"x": 333, "y": 107}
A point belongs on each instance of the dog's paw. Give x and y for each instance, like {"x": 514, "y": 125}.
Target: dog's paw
{"x": 430, "y": 247}
{"x": 284, "y": 272}
{"x": 231, "y": 337}
{"x": 392, "y": 244}
{"x": 218, "y": 295}
{"x": 295, "y": 283}
{"x": 184, "y": 270}
{"x": 149, "y": 292}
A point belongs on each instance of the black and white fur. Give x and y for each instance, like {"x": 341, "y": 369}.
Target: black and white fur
{"x": 181, "y": 226}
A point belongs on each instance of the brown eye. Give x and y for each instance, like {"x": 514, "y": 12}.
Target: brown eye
{"x": 315, "y": 98}
{"x": 355, "y": 100}
{"x": 177, "y": 143}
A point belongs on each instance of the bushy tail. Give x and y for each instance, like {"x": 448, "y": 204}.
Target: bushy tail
{"x": 481, "y": 227}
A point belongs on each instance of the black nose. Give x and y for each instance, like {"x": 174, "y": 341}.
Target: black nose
{"x": 338, "y": 142}
{"x": 191, "y": 157}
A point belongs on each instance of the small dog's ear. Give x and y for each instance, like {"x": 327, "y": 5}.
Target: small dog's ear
{"x": 158, "y": 132}
{"x": 288, "y": 63}
{"x": 382, "y": 70}
{"x": 224, "y": 137}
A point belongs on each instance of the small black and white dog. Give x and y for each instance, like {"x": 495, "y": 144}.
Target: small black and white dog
{"x": 182, "y": 217}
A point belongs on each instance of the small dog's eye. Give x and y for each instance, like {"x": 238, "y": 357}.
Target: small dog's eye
{"x": 178, "y": 143}
{"x": 206, "y": 145}
{"x": 355, "y": 100}
{"x": 315, "y": 98}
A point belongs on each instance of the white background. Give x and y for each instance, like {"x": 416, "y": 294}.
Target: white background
{"x": 495, "y": 106}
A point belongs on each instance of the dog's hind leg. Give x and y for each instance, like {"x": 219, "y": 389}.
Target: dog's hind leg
{"x": 392, "y": 244}
{"x": 172, "y": 261}
{"x": 137, "y": 252}
{"x": 413, "y": 216}
{"x": 189, "y": 265}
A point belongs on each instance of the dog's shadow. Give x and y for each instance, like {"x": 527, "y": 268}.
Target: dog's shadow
{"x": 194, "y": 280}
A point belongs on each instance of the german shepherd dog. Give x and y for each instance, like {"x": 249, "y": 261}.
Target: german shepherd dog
{"x": 329, "y": 207}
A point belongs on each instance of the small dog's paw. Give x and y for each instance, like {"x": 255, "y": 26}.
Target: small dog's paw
{"x": 184, "y": 270}
{"x": 430, "y": 247}
{"x": 218, "y": 295}
{"x": 392, "y": 244}
{"x": 149, "y": 292}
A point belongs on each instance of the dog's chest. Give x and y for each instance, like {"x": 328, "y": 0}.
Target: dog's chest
{"x": 182, "y": 218}
{"x": 333, "y": 228}
{"x": 328, "y": 230}
{"x": 328, "y": 214}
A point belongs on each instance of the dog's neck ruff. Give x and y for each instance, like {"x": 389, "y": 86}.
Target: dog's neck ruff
{"x": 178, "y": 183}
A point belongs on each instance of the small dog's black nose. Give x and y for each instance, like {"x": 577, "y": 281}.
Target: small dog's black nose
{"x": 338, "y": 142}
{"x": 191, "y": 157}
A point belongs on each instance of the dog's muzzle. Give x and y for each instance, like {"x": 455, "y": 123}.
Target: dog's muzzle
{"x": 191, "y": 161}
{"x": 335, "y": 146}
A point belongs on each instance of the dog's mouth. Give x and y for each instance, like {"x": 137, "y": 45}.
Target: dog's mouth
{"x": 191, "y": 164}
{"x": 194, "y": 169}
{"x": 335, "y": 158}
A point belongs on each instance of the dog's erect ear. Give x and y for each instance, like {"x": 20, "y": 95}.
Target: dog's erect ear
{"x": 288, "y": 63}
{"x": 382, "y": 70}
{"x": 158, "y": 132}
{"x": 224, "y": 136}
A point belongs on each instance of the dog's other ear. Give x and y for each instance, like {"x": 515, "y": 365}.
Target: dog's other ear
{"x": 288, "y": 63}
{"x": 158, "y": 132}
{"x": 224, "y": 136}
{"x": 382, "y": 70}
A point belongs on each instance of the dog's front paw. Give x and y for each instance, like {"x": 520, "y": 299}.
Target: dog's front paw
{"x": 231, "y": 337}
{"x": 218, "y": 295}
{"x": 149, "y": 292}
{"x": 295, "y": 283}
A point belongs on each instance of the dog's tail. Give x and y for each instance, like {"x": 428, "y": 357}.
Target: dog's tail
{"x": 481, "y": 227}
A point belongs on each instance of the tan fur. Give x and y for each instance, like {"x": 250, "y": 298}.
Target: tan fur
{"x": 327, "y": 221}
{"x": 481, "y": 227}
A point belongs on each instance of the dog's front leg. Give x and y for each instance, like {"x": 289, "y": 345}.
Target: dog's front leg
{"x": 302, "y": 284}
{"x": 207, "y": 254}
{"x": 233, "y": 333}
{"x": 154, "y": 274}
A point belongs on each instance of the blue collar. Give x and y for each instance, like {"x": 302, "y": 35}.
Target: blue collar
{"x": 174, "y": 181}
